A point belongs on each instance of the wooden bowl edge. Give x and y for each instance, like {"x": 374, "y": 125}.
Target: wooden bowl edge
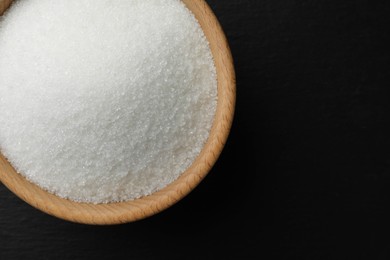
{"x": 124, "y": 212}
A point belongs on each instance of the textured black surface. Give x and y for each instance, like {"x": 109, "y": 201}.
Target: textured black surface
{"x": 306, "y": 171}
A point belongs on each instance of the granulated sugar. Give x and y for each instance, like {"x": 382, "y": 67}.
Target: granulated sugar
{"x": 104, "y": 101}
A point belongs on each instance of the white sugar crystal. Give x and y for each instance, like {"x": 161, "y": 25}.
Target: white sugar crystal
{"x": 104, "y": 101}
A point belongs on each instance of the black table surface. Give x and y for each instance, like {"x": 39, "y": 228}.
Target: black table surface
{"x": 306, "y": 171}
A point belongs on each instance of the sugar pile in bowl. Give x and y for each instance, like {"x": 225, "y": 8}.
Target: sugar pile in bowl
{"x": 104, "y": 101}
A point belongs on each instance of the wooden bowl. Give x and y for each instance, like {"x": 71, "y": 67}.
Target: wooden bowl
{"x": 116, "y": 213}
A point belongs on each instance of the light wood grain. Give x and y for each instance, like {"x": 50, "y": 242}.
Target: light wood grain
{"x": 116, "y": 213}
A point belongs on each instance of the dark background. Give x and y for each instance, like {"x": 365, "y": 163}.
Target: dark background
{"x": 306, "y": 171}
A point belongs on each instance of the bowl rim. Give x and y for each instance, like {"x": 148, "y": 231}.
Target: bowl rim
{"x": 133, "y": 210}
